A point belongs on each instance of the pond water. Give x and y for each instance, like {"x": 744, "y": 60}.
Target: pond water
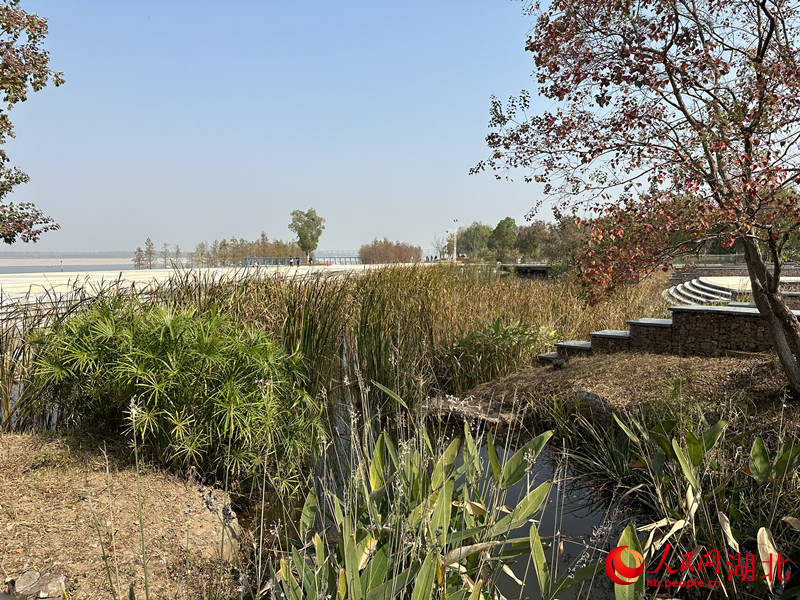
{"x": 586, "y": 525}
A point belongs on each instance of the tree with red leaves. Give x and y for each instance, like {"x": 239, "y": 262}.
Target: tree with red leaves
{"x": 671, "y": 120}
{"x": 24, "y": 67}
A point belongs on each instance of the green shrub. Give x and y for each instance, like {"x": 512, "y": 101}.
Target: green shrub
{"x": 490, "y": 352}
{"x": 195, "y": 388}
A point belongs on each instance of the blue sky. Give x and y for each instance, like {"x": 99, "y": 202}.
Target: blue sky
{"x": 190, "y": 121}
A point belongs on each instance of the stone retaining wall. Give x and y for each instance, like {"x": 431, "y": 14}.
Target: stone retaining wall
{"x": 711, "y": 330}
{"x": 647, "y": 337}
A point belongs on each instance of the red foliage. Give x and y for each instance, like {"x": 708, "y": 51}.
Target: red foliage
{"x": 671, "y": 118}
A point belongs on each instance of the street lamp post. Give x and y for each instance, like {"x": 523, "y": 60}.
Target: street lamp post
{"x": 455, "y": 241}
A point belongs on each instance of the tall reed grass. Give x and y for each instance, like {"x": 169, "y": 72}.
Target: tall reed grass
{"x": 418, "y": 330}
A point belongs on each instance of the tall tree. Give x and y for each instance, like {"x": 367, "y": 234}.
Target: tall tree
{"x": 165, "y": 255}
{"x": 503, "y": 238}
{"x": 670, "y": 117}
{"x": 138, "y": 259}
{"x": 177, "y": 255}
{"x": 24, "y": 67}
{"x": 473, "y": 240}
{"x": 149, "y": 253}
{"x": 308, "y": 227}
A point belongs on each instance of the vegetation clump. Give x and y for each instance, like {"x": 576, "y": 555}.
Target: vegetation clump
{"x": 194, "y": 388}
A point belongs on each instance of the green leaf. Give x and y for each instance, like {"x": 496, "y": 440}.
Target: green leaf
{"x": 658, "y": 463}
{"x": 440, "y": 522}
{"x": 712, "y": 434}
{"x": 694, "y": 449}
{"x": 424, "y": 584}
{"x": 378, "y": 464}
{"x": 524, "y": 510}
{"x": 377, "y": 569}
{"x": 290, "y": 586}
{"x": 494, "y": 462}
{"x": 308, "y": 516}
{"x": 626, "y": 430}
{"x": 394, "y": 587}
{"x": 664, "y": 444}
{"x": 306, "y": 573}
{"x": 540, "y": 563}
{"x": 422, "y": 509}
{"x": 686, "y": 467}
{"x": 444, "y": 465}
{"x": 390, "y": 393}
{"x": 472, "y": 459}
{"x": 392, "y": 449}
{"x": 516, "y": 466}
{"x": 476, "y": 591}
{"x": 351, "y": 561}
{"x": 787, "y": 460}
{"x": 634, "y": 591}
{"x": 759, "y": 461}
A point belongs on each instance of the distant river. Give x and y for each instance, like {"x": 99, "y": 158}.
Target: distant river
{"x": 54, "y": 263}
{"x": 24, "y": 268}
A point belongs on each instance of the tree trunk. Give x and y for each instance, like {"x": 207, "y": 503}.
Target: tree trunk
{"x": 783, "y": 323}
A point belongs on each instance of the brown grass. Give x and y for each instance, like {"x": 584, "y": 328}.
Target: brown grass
{"x": 627, "y": 379}
{"x": 750, "y": 388}
{"x": 56, "y": 495}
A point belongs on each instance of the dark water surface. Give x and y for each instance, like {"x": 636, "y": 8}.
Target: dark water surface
{"x": 574, "y": 515}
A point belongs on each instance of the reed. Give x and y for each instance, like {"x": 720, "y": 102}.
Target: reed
{"x": 418, "y": 330}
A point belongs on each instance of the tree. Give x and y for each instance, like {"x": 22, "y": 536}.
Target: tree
{"x": 473, "y": 240}
{"x": 149, "y": 253}
{"x": 308, "y": 226}
{"x": 670, "y": 117}
{"x": 385, "y": 251}
{"x": 177, "y": 255}
{"x": 532, "y": 238}
{"x": 24, "y": 68}
{"x": 165, "y": 254}
{"x": 138, "y": 259}
{"x": 440, "y": 245}
{"x": 503, "y": 238}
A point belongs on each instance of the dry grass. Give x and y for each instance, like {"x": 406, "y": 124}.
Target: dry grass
{"x": 58, "y": 503}
{"x": 627, "y": 379}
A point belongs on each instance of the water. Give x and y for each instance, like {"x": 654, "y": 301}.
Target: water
{"x": 574, "y": 515}
{"x": 586, "y": 525}
{"x": 8, "y": 269}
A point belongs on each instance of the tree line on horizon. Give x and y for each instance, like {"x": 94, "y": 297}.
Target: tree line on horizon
{"x": 555, "y": 242}
{"x": 307, "y": 225}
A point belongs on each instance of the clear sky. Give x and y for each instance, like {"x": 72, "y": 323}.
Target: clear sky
{"x": 189, "y": 121}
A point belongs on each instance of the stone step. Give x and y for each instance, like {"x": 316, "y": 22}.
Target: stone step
{"x": 611, "y": 340}
{"x": 549, "y": 358}
{"x": 716, "y": 290}
{"x": 709, "y": 295}
{"x": 675, "y": 295}
{"x": 710, "y": 284}
{"x": 688, "y": 293}
{"x": 573, "y": 347}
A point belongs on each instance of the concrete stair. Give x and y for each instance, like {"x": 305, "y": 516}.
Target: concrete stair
{"x": 697, "y": 291}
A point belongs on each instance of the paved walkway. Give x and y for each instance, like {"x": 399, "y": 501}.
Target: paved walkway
{"x": 741, "y": 284}
{"x": 20, "y": 285}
